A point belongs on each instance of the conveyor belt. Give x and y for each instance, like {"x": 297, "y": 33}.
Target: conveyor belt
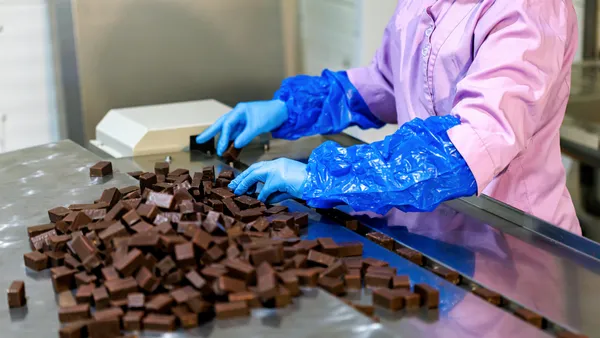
{"x": 36, "y": 179}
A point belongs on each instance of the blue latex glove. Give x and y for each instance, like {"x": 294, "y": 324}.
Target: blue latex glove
{"x": 415, "y": 169}
{"x": 245, "y": 122}
{"x": 282, "y": 175}
{"x": 325, "y": 104}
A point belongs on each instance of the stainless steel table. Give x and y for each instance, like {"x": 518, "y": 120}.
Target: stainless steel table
{"x": 522, "y": 258}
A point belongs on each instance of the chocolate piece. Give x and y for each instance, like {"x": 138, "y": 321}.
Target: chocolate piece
{"x": 55, "y": 258}
{"x": 74, "y": 330}
{"x": 217, "y": 205}
{"x": 447, "y": 274}
{"x": 377, "y": 280}
{"x": 169, "y": 242}
{"x": 113, "y": 231}
{"x": 382, "y": 270}
{"x": 66, "y": 299}
{"x": 144, "y": 240}
{"x": 248, "y": 297}
{"x": 84, "y": 293}
{"x": 16, "y": 294}
{"x": 100, "y": 296}
{"x": 101, "y": 169}
{"x": 63, "y": 278}
{"x": 240, "y": 270}
{"x": 147, "y": 211}
{"x": 143, "y": 227}
{"x": 202, "y": 239}
{"x": 57, "y": 242}
{"x": 212, "y": 255}
{"x": 77, "y": 219}
{"x": 95, "y": 206}
{"x": 194, "y": 278}
{"x": 307, "y": 277}
{"x": 135, "y": 174}
{"x": 132, "y": 320}
{"x": 530, "y": 317}
{"x": 232, "y": 153}
{"x": 247, "y": 202}
{"x": 128, "y": 190}
{"x": 400, "y": 282}
{"x": 111, "y": 196}
{"x": 430, "y": 297}
{"x": 206, "y": 188}
{"x": 184, "y": 253}
{"x": 228, "y": 284}
{"x": 74, "y": 313}
{"x": 113, "y": 312}
{"x": 173, "y": 278}
{"x": 41, "y": 241}
{"x": 161, "y": 168}
{"x": 328, "y": 246}
{"x": 117, "y": 211}
{"x": 164, "y": 228}
{"x": 222, "y": 183}
{"x": 301, "y": 219}
{"x": 221, "y": 193}
{"x": 367, "y": 310}
{"x": 161, "y": 200}
{"x": 72, "y": 262}
{"x": 283, "y": 297}
{"x": 82, "y": 247}
{"x": 226, "y": 174}
{"x": 351, "y": 224}
{"x": 104, "y": 328}
{"x": 186, "y": 207}
{"x": 197, "y": 305}
{"x": 147, "y": 180}
{"x": 120, "y": 288}
{"x": 335, "y": 270}
{"x": 290, "y": 282}
{"x": 182, "y": 295}
{"x": 156, "y": 322}
{"x": 165, "y": 266}
{"x": 381, "y": 239}
{"x": 58, "y": 213}
{"x": 130, "y": 263}
{"x": 160, "y": 303}
{"x": 332, "y": 285}
{"x": 280, "y": 221}
{"x": 489, "y": 296}
{"x": 276, "y": 209}
{"x": 411, "y": 300}
{"x": 230, "y": 207}
{"x": 374, "y": 262}
{"x": 271, "y": 254}
{"x": 179, "y": 172}
{"x": 388, "y": 299}
{"x": 186, "y": 318}
{"x": 39, "y": 229}
{"x": 261, "y": 224}
{"x": 350, "y": 249}
{"x": 109, "y": 273}
{"x": 35, "y": 260}
{"x": 231, "y": 310}
{"x": 319, "y": 258}
{"x": 135, "y": 301}
{"x": 299, "y": 261}
{"x": 95, "y": 214}
{"x": 266, "y": 281}
{"x": 146, "y": 280}
{"x": 131, "y": 217}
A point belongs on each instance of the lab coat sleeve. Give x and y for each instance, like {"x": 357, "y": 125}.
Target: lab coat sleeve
{"x": 414, "y": 169}
{"x": 375, "y": 81}
{"x": 325, "y": 104}
{"x": 502, "y": 98}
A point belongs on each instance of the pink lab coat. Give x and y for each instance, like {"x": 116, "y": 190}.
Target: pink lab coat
{"x": 503, "y": 67}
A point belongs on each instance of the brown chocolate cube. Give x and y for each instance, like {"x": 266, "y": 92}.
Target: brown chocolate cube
{"x": 16, "y": 294}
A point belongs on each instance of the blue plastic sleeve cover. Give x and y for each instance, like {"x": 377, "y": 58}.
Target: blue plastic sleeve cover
{"x": 414, "y": 169}
{"x": 325, "y": 104}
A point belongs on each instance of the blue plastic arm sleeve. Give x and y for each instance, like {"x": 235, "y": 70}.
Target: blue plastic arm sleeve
{"x": 325, "y": 104}
{"x": 414, "y": 169}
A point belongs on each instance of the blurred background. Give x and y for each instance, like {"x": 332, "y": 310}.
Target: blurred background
{"x": 65, "y": 63}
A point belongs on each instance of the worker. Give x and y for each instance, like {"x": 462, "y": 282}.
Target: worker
{"x": 479, "y": 89}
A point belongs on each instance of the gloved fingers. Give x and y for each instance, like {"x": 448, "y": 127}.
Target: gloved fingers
{"x": 259, "y": 175}
{"x": 236, "y": 181}
{"x": 246, "y": 136}
{"x": 211, "y": 131}
{"x": 234, "y": 117}
{"x": 269, "y": 188}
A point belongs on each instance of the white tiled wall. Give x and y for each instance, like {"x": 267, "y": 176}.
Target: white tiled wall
{"x": 27, "y": 94}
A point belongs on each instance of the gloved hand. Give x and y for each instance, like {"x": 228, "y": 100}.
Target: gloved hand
{"x": 281, "y": 175}
{"x": 245, "y": 122}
